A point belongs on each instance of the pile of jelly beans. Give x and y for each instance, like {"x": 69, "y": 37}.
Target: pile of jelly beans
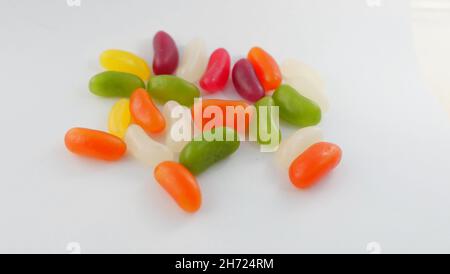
{"x": 135, "y": 120}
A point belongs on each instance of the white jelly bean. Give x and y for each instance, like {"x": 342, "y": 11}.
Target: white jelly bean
{"x": 193, "y": 61}
{"x": 178, "y": 126}
{"x": 144, "y": 148}
{"x": 306, "y": 81}
{"x": 296, "y": 144}
{"x": 292, "y": 68}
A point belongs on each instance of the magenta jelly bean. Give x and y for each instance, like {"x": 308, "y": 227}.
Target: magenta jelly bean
{"x": 217, "y": 73}
{"x": 165, "y": 60}
{"x": 246, "y": 82}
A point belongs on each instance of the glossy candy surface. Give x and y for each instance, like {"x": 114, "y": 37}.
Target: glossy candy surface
{"x": 178, "y": 125}
{"x": 296, "y": 144}
{"x": 264, "y": 123}
{"x": 211, "y": 113}
{"x": 165, "y": 59}
{"x": 199, "y": 155}
{"x": 115, "y": 84}
{"x": 266, "y": 68}
{"x": 144, "y": 148}
{"x": 193, "y": 61}
{"x": 124, "y": 61}
{"x": 306, "y": 81}
{"x": 246, "y": 82}
{"x": 180, "y": 184}
{"x": 313, "y": 164}
{"x": 218, "y": 71}
{"x": 119, "y": 118}
{"x": 95, "y": 144}
{"x": 164, "y": 88}
{"x": 295, "y": 108}
{"x": 145, "y": 113}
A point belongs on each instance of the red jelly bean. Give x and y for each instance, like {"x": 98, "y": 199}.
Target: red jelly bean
{"x": 246, "y": 82}
{"x": 218, "y": 71}
{"x": 165, "y": 60}
{"x": 314, "y": 163}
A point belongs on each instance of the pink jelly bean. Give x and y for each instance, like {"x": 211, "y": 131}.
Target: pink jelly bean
{"x": 165, "y": 60}
{"x": 246, "y": 82}
{"x": 218, "y": 71}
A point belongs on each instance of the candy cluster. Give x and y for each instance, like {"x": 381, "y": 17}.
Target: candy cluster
{"x": 135, "y": 122}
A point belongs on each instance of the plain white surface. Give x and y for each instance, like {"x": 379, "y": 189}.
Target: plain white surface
{"x": 392, "y": 187}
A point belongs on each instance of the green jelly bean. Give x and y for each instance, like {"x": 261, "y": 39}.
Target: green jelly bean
{"x": 200, "y": 154}
{"x": 295, "y": 108}
{"x": 264, "y": 134}
{"x": 115, "y": 84}
{"x": 165, "y": 88}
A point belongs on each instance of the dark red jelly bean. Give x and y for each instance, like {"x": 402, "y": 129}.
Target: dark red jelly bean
{"x": 217, "y": 73}
{"x": 165, "y": 60}
{"x": 246, "y": 82}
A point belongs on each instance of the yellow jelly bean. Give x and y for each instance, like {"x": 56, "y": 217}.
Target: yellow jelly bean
{"x": 119, "y": 118}
{"x": 123, "y": 61}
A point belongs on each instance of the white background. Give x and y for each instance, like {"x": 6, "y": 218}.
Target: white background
{"x": 392, "y": 187}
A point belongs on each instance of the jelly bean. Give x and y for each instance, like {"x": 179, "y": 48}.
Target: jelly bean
{"x": 165, "y": 60}
{"x": 144, "y": 148}
{"x": 95, "y": 144}
{"x": 200, "y": 154}
{"x": 115, "y": 84}
{"x": 145, "y": 113}
{"x": 296, "y": 144}
{"x": 309, "y": 90}
{"x": 120, "y": 60}
{"x": 266, "y": 68}
{"x": 179, "y": 125}
{"x": 210, "y": 113}
{"x": 313, "y": 164}
{"x": 292, "y": 68}
{"x": 218, "y": 71}
{"x": 164, "y": 88}
{"x": 295, "y": 108}
{"x": 180, "y": 184}
{"x": 246, "y": 82}
{"x": 119, "y": 118}
{"x": 193, "y": 61}
{"x": 265, "y": 122}
{"x": 306, "y": 81}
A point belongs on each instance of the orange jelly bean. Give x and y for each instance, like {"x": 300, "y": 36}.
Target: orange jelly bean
{"x": 266, "y": 68}
{"x": 144, "y": 112}
{"x": 180, "y": 184}
{"x": 95, "y": 144}
{"x": 314, "y": 163}
{"x": 214, "y": 112}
